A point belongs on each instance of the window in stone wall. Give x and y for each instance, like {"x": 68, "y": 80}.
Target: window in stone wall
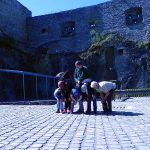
{"x": 120, "y": 51}
{"x": 44, "y": 31}
{"x": 68, "y": 29}
{"x": 134, "y": 16}
{"x": 44, "y": 50}
{"x": 92, "y": 23}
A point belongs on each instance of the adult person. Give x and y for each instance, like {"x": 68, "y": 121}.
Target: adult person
{"x": 85, "y": 88}
{"x": 82, "y": 73}
{"x": 106, "y": 89}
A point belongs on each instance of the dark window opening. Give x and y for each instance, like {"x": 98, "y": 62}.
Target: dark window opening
{"x": 44, "y": 31}
{"x": 134, "y": 16}
{"x": 120, "y": 51}
{"x": 92, "y": 23}
{"x": 68, "y": 29}
{"x": 44, "y": 50}
{"x": 144, "y": 63}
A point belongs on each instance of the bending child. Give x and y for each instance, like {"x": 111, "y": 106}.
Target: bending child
{"x": 76, "y": 97}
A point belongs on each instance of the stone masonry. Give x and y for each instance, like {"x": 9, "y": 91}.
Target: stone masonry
{"x": 13, "y": 17}
{"x": 130, "y": 18}
{"x": 46, "y": 31}
{"x": 70, "y": 32}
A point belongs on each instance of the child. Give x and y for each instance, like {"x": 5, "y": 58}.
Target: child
{"x": 59, "y": 95}
{"x": 76, "y": 96}
{"x": 66, "y": 78}
{"x": 90, "y": 93}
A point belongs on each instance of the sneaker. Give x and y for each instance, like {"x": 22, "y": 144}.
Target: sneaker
{"x": 57, "y": 111}
{"x": 87, "y": 112}
{"x": 82, "y": 111}
{"x": 65, "y": 111}
{"x": 62, "y": 111}
{"x": 68, "y": 111}
{"x": 78, "y": 111}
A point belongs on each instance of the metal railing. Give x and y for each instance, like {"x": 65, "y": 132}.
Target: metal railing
{"x": 127, "y": 93}
{"x": 25, "y": 86}
{"x": 31, "y": 87}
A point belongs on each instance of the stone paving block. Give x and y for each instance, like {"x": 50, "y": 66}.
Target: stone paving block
{"x": 2, "y": 145}
{"x": 88, "y": 148}
{"x": 64, "y": 146}
{"x": 35, "y": 145}
{"x": 142, "y": 147}
{"x": 75, "y": 145}
{"x": 47, "y": 148}
{"x": 32, "y": 148}
{"x": 25, "y": 145}
{"x": 5, "y": 142}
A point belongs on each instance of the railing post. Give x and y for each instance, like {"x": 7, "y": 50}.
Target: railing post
{"x": 36, "y": 87}
{"x": 24, "y": 92}
{"x": 46, "y": 88}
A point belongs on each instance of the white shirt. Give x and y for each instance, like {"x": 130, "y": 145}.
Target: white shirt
{"x": 106, "y": 86}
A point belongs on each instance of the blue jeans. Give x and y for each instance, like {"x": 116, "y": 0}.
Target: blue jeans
{"x": 94, "y": 104}
{"x": 60, "y": 105}
{"x": 81, "y": 108}
{"x": 89, "y": 104}
{"x": 107, "y": 105}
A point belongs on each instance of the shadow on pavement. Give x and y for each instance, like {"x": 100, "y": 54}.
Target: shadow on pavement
{"x": 114, "y": 113}
{"x": 120, "y": 113}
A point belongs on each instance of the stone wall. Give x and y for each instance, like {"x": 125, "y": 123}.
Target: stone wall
{"x": 53, "y": 39}
{"x": 135, "y": 31}
{"x": 13, "y": 17}
{"x": 45, "y": 31}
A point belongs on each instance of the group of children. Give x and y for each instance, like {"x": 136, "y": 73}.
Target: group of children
{"x": 67, "y": 99}
{"x": 79, "y": 93}
{"x": 85, "y": 89}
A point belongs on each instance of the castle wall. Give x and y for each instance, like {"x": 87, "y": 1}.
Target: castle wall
{"x": 53, "y": 23}
{"x": 109, "y": 16}
{"x": 133, "y": 32}
{"x": 13, "y": 17}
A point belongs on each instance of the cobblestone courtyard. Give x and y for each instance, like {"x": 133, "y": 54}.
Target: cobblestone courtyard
{"x": 38, "y": 127}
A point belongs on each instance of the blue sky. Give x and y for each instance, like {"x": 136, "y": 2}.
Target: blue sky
{"x": 41, "y": 7}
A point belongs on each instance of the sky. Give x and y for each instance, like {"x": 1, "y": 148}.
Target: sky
{"x": 41, "y": 7}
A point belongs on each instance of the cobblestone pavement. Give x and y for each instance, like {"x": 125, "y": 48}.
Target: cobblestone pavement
{"x": 40, "y": 128}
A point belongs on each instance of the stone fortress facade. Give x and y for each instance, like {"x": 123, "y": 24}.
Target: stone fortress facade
{"x": 69, "y": 31}
{"x": 13, "y": 20}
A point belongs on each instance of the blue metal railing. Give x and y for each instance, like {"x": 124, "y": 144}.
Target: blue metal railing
{"x": 22, "y": 85}
{"x": 127, "y": 93}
